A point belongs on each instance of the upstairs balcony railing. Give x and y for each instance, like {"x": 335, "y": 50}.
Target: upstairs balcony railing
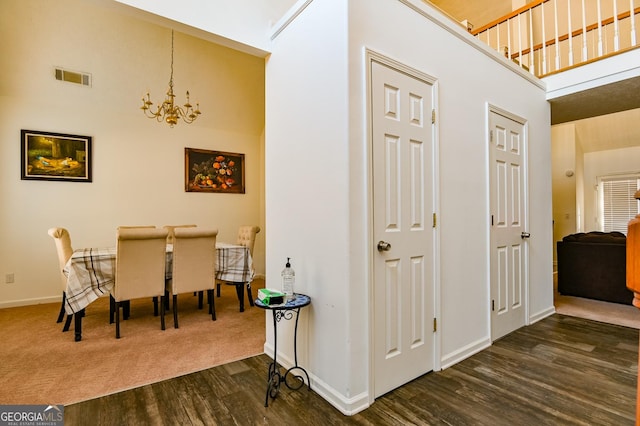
{"x": 548, "y": 36}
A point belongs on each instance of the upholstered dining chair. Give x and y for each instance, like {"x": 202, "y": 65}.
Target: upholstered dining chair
{"x": 140, "y": 268}
{"x": 172, "y": 228}
{"x": 194, "y": 266}
{"x": 246, "y": 237}
{"x": 63, "y": 247}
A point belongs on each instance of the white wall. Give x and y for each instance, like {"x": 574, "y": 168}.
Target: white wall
{"x": 317, "y": 200}
{"x": 138, "y": 164}
{"x": 601, "y": 163}
{"x": 564, "y": 159}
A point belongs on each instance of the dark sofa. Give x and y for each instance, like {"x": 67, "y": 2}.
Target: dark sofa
{"x": 593, "y": 265}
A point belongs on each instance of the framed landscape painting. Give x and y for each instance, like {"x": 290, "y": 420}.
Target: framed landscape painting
{"x": 55, "y": 156}
{"x": 213, "y": 171}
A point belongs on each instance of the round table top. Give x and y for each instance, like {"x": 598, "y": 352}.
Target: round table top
{"x": 298, "y": 301}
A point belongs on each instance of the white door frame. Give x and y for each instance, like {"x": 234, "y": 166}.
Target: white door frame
{"x": 491, "y": 108}
{"x": 371, "y": 56}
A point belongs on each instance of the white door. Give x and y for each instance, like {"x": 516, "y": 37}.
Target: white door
{"x": 509, "y": 235}
{"x": 403, "y": 146}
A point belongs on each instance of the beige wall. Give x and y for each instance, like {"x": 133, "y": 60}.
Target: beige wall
{"x": 138, "y": 164}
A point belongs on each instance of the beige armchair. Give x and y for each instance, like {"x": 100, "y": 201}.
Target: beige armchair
{"x": 194, "y": 266}
{"x": 140, "y": 268}
{"x": 246, "y": 237}
{"x": 63, "y": 247}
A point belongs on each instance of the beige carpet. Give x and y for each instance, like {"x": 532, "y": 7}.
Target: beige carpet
{"x": 612, "y": 313}
{"x": 41, "y": 365}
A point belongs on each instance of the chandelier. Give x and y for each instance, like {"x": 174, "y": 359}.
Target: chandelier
{"x": 168, "y": 111}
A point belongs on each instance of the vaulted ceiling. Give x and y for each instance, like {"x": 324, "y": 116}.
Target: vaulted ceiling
{"x": 606, "y": 117}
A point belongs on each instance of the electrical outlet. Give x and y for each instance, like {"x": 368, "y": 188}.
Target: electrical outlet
{"x": 9, "y": 278}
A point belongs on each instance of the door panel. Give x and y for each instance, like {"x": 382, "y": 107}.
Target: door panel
{"x": 403, "y": 204}
{"x": 508, "y": 247}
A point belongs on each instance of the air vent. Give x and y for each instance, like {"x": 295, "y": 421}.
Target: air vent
{"x": 73, "y": 77}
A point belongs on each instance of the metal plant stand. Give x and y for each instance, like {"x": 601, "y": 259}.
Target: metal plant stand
{"x": 275, "y": 378}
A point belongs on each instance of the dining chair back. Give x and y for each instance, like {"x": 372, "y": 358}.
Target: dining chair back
{"x": 172, "y": 228}
{"x": 246, "y": 237}
{"x": 137, "y": 227}
{"x": 140, "y": 267}
{"x": 63, "y": 247}
{"x": 194, "y": 266}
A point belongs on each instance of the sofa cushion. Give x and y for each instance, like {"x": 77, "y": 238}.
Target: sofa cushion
{"x": 597, "y": 237}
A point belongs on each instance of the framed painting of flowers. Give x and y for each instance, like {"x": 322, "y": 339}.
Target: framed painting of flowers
{"x": 213, "y": 171}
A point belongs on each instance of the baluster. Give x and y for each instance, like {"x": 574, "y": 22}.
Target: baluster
{"x": 544, "y": 43}
{"x": 570, "y": 33}
{"x": 633, "y": 22}
{"x": 555, "y": 23}
{"x": 599, "y": 29}
{"x": 498, "y": 47}
{"x": 508, "y": 53}
{"x": 519, "y": 40}
{"x": 616, "y": 34}
{"x": 585, "y": 51}
{"x": 532, "y": 62}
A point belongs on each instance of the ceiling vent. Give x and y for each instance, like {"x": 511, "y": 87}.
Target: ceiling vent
{"x": 81, "y": 78}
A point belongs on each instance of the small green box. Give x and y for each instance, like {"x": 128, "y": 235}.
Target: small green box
{"x": 270, "y": 297}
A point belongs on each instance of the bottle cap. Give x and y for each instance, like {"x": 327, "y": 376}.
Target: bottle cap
{"x": 288, "y": 265}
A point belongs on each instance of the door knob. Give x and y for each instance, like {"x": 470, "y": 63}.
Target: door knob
{"x": 525, "y": 235}
{"x": 384, "y": 246}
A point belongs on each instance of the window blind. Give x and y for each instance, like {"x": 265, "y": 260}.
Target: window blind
{"x": 619, "y": 205}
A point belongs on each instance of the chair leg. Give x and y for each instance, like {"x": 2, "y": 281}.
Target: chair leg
{"x": 67, "y": 323}
{"x": 175, "y": 311}
{"x": 61, "y": 314}
{"x": 162, "y": 312}
{"x": 240, "y": 293}
{"x": 200, "y": 297}
{"x": 117, "y": 309}
{"x": 155, "y": 306}
{"x": 166, "y": 300}
{"x": 249, "y": 295}
{"x": 112, "y": 309}
{"x": 218, "y": 289}
{"x": 212, "y": 304}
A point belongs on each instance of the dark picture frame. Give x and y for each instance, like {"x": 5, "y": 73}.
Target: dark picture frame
{"x": 213, "y": 171}
{"x": 55, "y": 156}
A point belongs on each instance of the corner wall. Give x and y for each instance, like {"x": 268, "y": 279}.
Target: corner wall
{"x": 318, "y": 185}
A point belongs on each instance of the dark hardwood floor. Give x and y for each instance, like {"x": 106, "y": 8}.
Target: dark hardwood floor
{"x": 561, "y": 370}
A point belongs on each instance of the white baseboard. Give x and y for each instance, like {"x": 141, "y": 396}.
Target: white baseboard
{"x": 542, "y": 315}
{"x": 465, "y": 352}
{"x": 346, "y": 405}
{"x": 28, "y": 302}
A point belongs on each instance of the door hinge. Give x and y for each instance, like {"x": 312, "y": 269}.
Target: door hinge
{"x": 491, "y": 220}
{"x": 434, "y": 220}
{"x": 435, "y": 325}
{"x": 493, "y": 305}
{"x": 433, "y": 116}
{"x": 490, "y": 135}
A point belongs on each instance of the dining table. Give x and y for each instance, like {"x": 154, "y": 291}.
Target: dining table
{"x": 90, "y": 274}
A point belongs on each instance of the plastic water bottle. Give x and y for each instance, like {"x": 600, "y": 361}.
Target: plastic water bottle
{"x": 288, "y": 281}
